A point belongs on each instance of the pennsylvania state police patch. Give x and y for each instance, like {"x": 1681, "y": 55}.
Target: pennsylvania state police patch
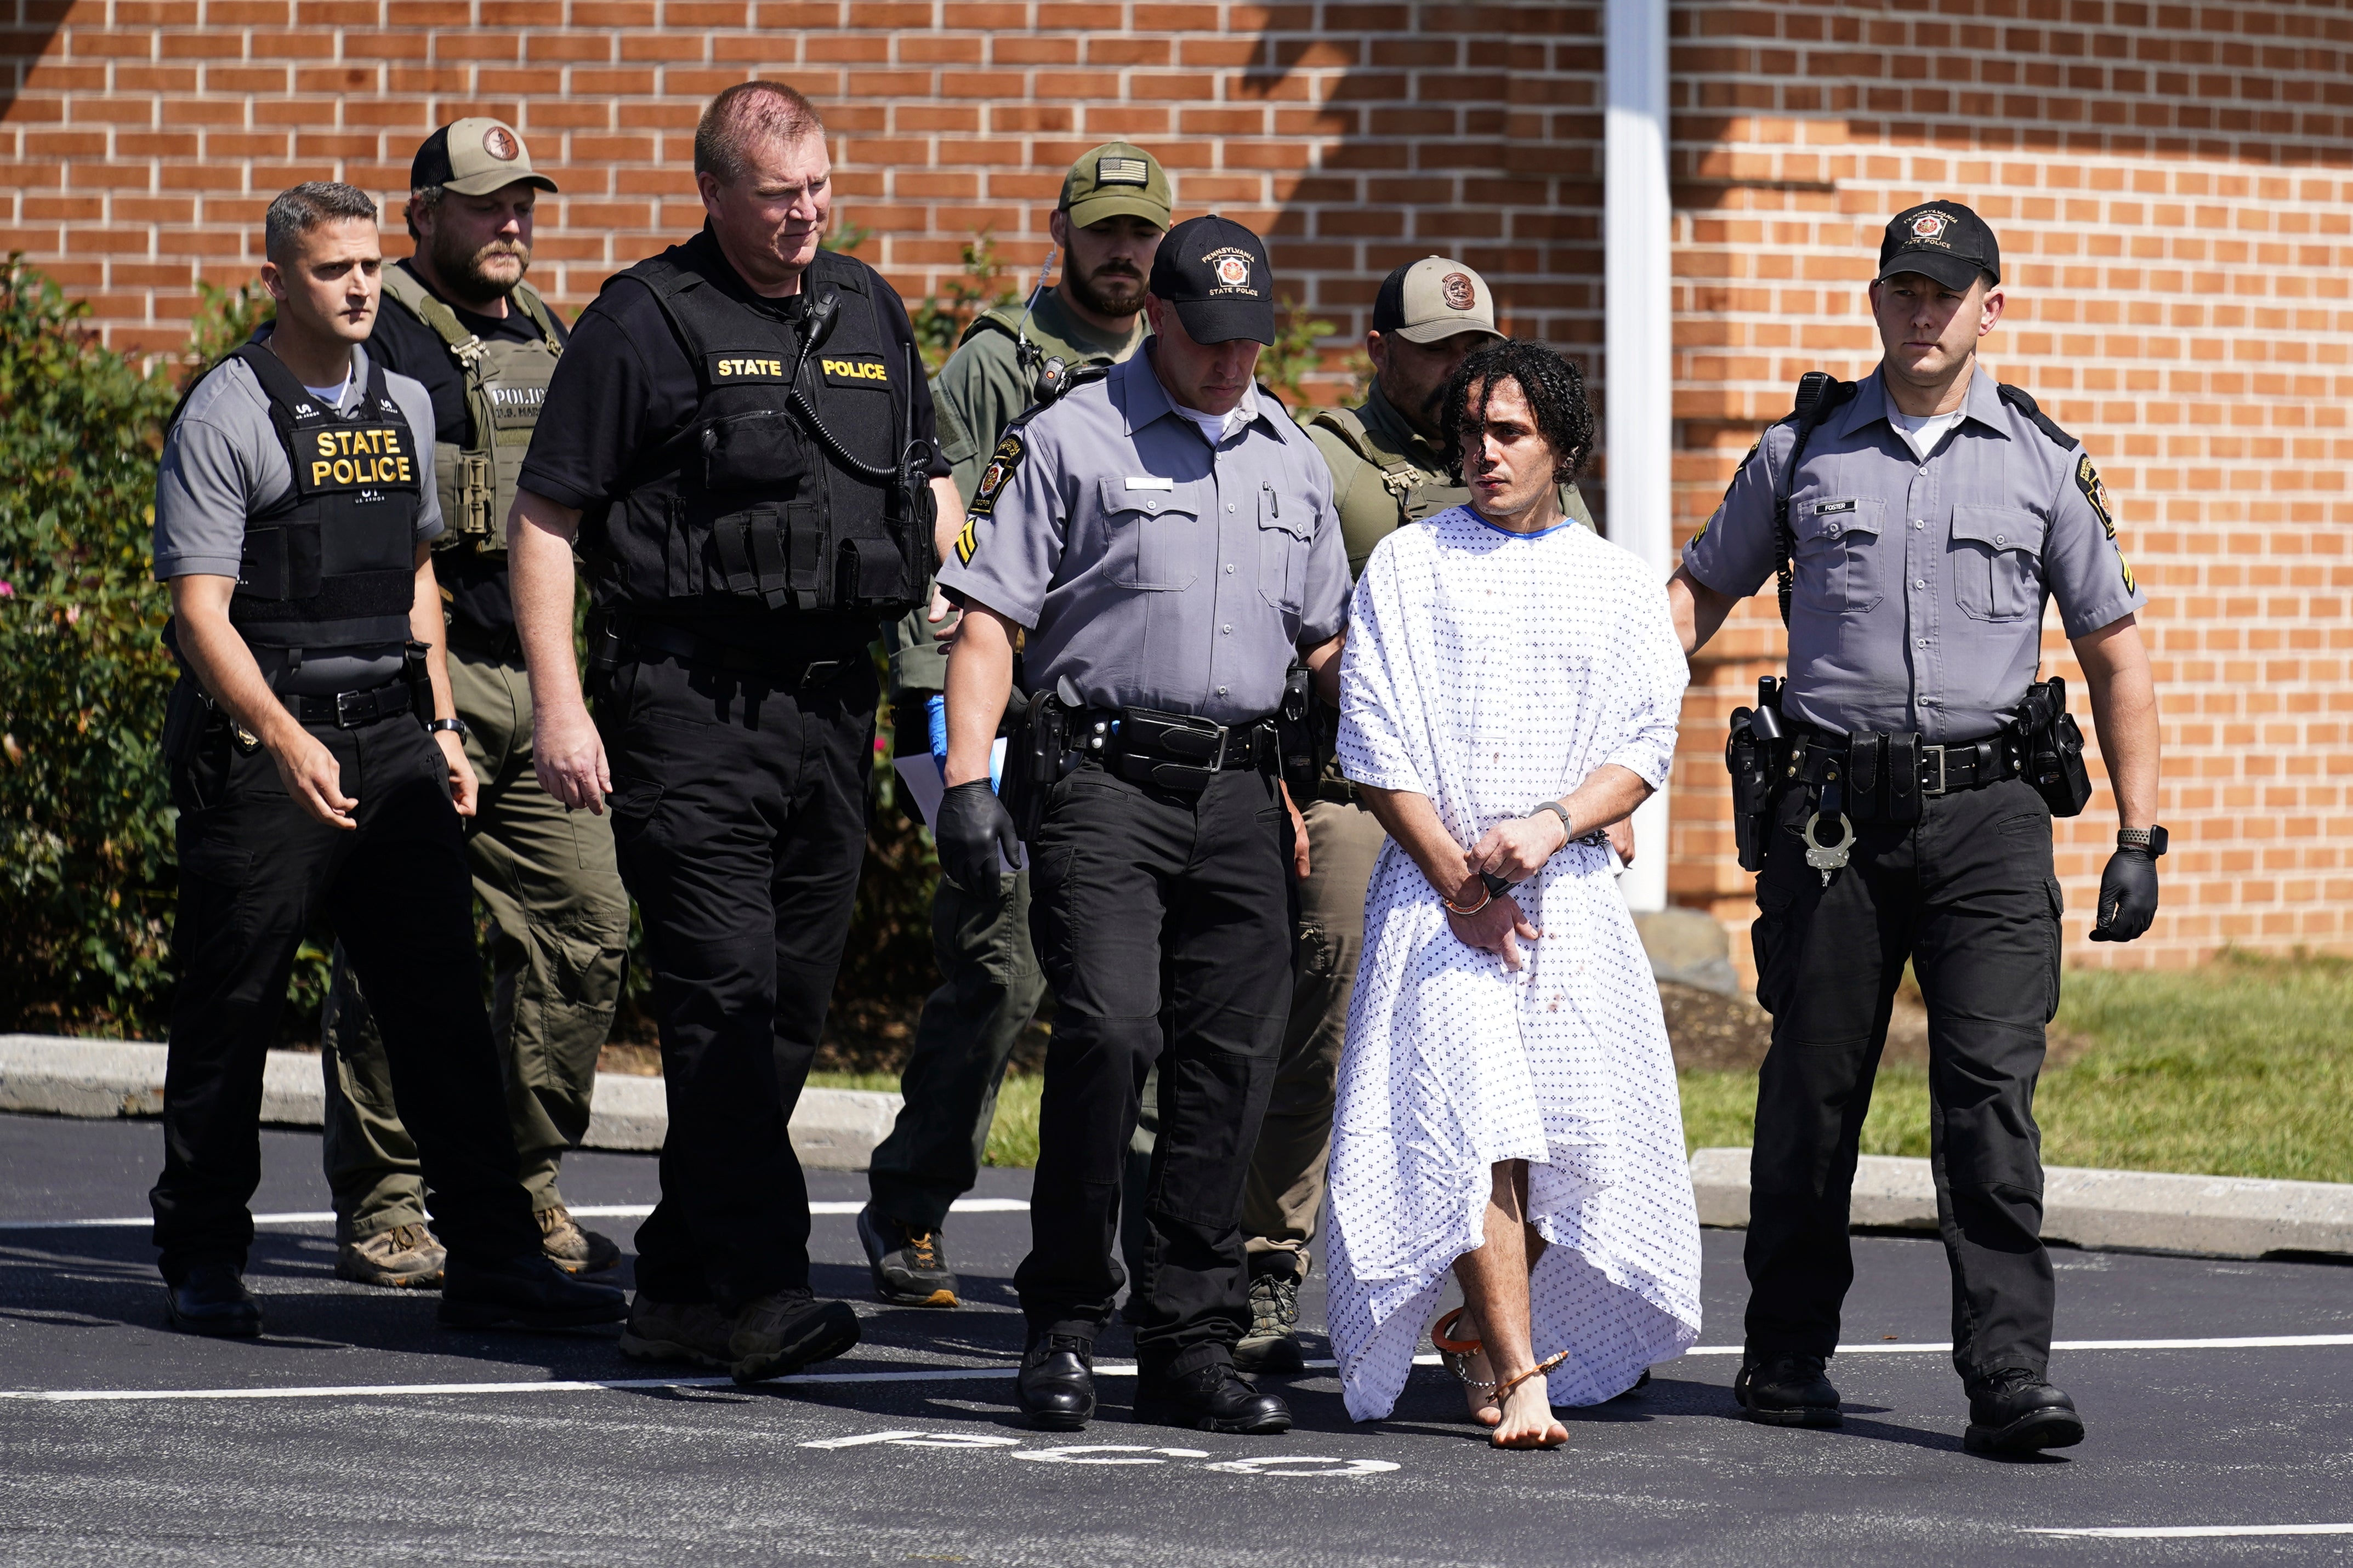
{"x": 994, "y": 479}
{"x": 2087, "y": 480}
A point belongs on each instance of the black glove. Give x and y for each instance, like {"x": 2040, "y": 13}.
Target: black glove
{"x": 972, "y": 828}
{"x": 2127, "y": 896}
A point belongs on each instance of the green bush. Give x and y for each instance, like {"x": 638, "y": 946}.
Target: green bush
{"x": 86, "y": 871}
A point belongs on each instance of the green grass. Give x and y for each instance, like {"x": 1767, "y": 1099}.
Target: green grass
{"x": 1012, "y": 1136}
{"x": 2238, "y": 1068}
{"x": 2243, "y": 1067}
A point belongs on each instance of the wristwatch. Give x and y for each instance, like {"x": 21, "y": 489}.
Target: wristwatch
{"x": 2150, "y": 839}
{"x": 450, "y": 727}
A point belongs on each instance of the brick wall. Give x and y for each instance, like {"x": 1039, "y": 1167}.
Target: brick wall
{"x": 2173, "y": 190}
{"x": 2171, "y": 186}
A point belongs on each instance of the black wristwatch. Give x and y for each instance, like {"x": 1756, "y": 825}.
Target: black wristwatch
{"x": 2150, "y": 839}
{"x": 450, "y": 727}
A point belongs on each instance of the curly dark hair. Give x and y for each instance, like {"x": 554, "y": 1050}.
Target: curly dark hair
{"x": 1553, "y": 386}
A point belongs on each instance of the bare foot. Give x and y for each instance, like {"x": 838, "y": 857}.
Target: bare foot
{"x": 1457, "y": 1337}
{"x": 1481, "y": 1401}
{"x": 1527, "y": 1420}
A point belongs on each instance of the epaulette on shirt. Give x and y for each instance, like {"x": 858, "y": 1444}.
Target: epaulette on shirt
{"x": 2020, "y": 399}
{"x": 1011, "y": 447}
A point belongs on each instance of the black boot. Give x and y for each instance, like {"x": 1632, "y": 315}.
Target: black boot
{"x": 525, "y": 1292}
{"x": 909, "y": 1266}
{"x": 212, "y": 1299}
{"x": 1786, "y": 1390}
{"x": 1057, "y": 1384}
{"x": 1213, "y": 1398}
{"x": 2015, "y": 1411}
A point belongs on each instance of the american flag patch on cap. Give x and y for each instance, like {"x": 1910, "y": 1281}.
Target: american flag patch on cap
{"x": 1123, "y": 172}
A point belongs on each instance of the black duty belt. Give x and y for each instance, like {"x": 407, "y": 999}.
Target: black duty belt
{"x": 1173, "y": 751}
{"x": 1941, "y": 769}
{"x": 783, "y": 670}
{"x": 466, "y": 637}
{"x": 352, "y": 709}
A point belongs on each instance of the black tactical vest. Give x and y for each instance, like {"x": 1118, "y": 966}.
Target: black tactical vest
{"x": 334, "y": 563}
{"x": 745, "y": 512}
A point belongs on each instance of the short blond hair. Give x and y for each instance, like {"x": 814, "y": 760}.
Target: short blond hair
{"x": 746, "y": 112}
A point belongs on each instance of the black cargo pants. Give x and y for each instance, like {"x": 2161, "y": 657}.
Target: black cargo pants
{"x": 1164, "y": 922}
{"x": 1968, "y": 895}
{"x": 739, "y": 817}
{"x": 255, "y": 872}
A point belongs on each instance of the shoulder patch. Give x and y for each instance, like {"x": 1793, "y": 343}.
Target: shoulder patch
{"x": 2087, "y": 480}
{"x": 993, "y": 479}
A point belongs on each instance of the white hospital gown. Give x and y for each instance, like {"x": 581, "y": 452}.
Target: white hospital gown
{"x": 1491, "y": 672}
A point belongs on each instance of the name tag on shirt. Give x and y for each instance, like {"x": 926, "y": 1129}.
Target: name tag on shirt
{"x": 1150, "y": 482}
{"x": 1828, "y": 507}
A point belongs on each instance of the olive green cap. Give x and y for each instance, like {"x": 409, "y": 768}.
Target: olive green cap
{"x": 1116, "y": 178}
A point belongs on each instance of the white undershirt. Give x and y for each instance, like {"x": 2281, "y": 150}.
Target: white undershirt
{"x": 1218, "y": 428}
{"x": 1921, "y": 432}
{"x": 332, "y": 397}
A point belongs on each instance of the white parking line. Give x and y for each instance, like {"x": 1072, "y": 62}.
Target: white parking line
{"x": 579, "y": 1210}
{"x": 2188, "y": 1531}
{"x": 969, "y": 1374}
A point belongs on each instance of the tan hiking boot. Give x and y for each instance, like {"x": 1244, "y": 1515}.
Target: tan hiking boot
{"x": 783, "y": 1332}
{"x": 406, "y": 1257}
{"x": 572, "y": 1249}
{"x": 678, "y": 1331}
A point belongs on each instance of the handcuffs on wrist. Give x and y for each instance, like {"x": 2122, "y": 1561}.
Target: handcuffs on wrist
{"x": 1498, "y": 886}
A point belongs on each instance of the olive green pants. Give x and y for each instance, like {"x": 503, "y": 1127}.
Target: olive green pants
{"x": 1284, "y": 1192}
{"x": 560, "y": 943}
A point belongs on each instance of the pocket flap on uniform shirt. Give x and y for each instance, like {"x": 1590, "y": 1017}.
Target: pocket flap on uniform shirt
{"x": 1999, "y": 527}
{"x": 1295, "y": 519}
{"x": 1834, "y": 517}
{"x": 1118, "y": 498}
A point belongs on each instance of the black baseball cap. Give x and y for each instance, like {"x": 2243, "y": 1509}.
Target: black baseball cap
{"x": 1215, "y": 273}
{"x": 1943, "y": 240}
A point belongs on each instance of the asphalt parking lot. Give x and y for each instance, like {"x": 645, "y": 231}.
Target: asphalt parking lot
{"x": 357, "y": 1432}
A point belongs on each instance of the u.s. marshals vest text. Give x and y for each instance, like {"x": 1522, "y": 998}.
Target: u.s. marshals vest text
{"x": 506, "y": 383}
{"x": 332, "y": 564}
{"x": 744, "y": 513}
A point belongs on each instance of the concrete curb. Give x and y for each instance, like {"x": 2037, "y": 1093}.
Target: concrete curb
{"x": 832, "y": 1129}
{"x": 2214, "y": 1216}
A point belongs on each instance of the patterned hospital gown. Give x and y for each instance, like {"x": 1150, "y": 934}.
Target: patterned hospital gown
{"x": 1490, "y": 672}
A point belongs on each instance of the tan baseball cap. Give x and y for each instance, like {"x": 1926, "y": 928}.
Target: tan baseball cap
{"x": 1114, "y": 178}
{"x": 1437, "y": 296}
{"x": 474, "y": 158}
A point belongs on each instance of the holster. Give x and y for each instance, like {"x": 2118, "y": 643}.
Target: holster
{"x": 187, "y": 713}
{"x": 420, "y": 676}
{"x": 1033, "y": 763}
{"x": 604, "y": 637}
{"x": 1755, "y": 754}
{"x": 2053, "y": 748}
{"x": 1298, "y": 737}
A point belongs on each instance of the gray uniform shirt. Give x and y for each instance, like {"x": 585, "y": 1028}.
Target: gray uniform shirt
{"x": 1920, "y": 586}
{"x": 223, "y": 462}
{"x": 1151, "y": 570}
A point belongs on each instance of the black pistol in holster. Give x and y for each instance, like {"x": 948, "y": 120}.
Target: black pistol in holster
{"x": 2050, "y": 748}
{"x": 1756, "y": 755}
{"x": 1033, "y": 763}
{"x": 1298, "y": 737}
{"x": 187, "y": 714}
{"x": 420, "y": 676}
{"x": 604, "y": 640}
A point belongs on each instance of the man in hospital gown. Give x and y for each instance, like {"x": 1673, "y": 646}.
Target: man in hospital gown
{"x": 1507, "y": 1103}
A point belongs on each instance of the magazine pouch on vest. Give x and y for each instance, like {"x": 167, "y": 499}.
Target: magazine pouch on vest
{"x": 332, "y": 564}
{"x": 768, "y": 500}
{"x": 505, "y": 382}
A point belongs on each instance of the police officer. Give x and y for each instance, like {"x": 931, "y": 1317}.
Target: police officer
{"x": 1903, "y": 780}
{"x": 1389, "y": 468}
{"x": 740, "y": 440}
{"x": 291, "y": 520}
{"x": 1113, "y": 209}
{"x": 1164, "y": 538}
{"x": 460, "y": 319}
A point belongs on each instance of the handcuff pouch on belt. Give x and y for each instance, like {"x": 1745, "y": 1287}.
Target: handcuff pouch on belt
{"x": 2053, "y": 748}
